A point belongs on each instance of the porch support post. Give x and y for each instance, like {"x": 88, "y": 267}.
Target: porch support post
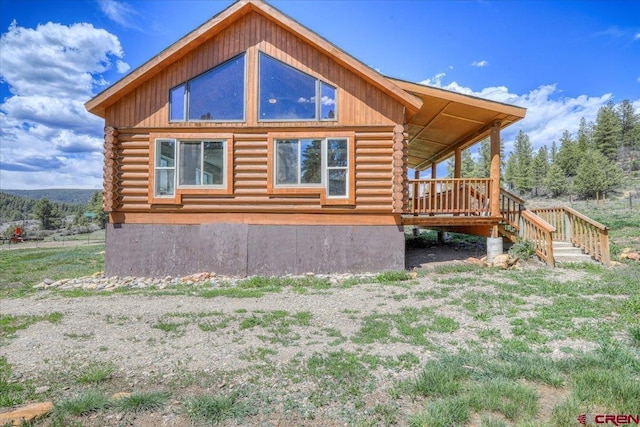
{"x": 432, "y": 203}
{"x": 495, "y": 174}
{"x": 416, "y": 194}
{"x": 457, "y": 163}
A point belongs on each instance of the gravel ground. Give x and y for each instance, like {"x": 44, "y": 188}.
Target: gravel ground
{"x": 154, "y": 339}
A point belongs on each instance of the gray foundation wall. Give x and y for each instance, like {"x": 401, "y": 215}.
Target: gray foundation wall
{"x": 153, "y": 250}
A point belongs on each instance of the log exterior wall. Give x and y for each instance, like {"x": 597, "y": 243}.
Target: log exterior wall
{"x": 369, "y": 224}
{"x": 373, "y": 171}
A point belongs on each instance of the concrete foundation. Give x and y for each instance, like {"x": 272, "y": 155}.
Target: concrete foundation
{"x": 495, "y": 247}
{"x": 159, "y": 250}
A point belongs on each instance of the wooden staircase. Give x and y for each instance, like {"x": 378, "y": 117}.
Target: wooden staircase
{"x": 559, "y": 234}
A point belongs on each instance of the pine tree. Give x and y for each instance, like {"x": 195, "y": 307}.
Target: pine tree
{"x": 555, "y": 181}
{"x": 510, "y": 172}
{"x": 483, "y": 165}
{"x": 568, "y": 156}
{"x": 46, "y": 212}
{"x": 596, "y": 175}
{"x": 629, "y": 125}
{"x": 466, "y": 167}
{"x": 607, "y": 131}
{"x": 523, "y": 152}
{"x": 539, "y": 168}
{"x": 554, "y": 152}
{"x": 95, "y": 206}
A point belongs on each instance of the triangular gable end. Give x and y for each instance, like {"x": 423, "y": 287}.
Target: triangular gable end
{"x": 224, "y": 19}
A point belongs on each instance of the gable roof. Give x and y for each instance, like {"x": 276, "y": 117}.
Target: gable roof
{"x": 224, "y": 19}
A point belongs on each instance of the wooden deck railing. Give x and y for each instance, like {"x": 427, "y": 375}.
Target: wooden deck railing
{"x": 510, "y": 208}
{"x": 583, "y": 232}
{"x": 454, "y": 196}
{"x": 540, "y": 232}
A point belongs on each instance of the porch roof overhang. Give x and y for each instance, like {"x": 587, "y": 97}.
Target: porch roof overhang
{"x": 450, "y": 120}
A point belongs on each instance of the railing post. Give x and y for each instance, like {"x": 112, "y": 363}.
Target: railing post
{"x": 550, "y": 259}
{"x": 604, "y": 243}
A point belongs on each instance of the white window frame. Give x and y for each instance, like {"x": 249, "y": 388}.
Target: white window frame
{"x": 157, "y": 167}
{"x": 324, "y": 184}
{"x": 177, "y": 165}
{"x": 179, "y": 142}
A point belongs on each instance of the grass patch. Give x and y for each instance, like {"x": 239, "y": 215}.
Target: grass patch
{"x": 458, "y": 268}
{"x": 440, "y": 378}
{"x": 95, "y": 373}
{"x": 31, "y": 266}
{"x": 512, "y": 399}
{"x": 410, "y": 326}
{"x": 442, "y": 413}
{"x": 10, "y": 324}
{"x": 81, "y": 404}
{"x": 278, "y": 324}
{"x": 337, "y": 376}
{"x": 217, "y": 408}
{"x": 392, "y": 277}
{"x": 12, "y": 393}
{"x": 142, "y": 401}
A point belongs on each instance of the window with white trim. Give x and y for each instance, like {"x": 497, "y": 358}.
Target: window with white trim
{"x": 189, "y": 164}
{"x": 313, "y": 162}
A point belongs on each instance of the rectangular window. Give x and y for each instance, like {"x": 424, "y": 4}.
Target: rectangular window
{"x": 177, "y": 102}
{"x": 188, "y": 165}
{"x": 201, "y": 163}
{"x": 165, "y": 168}
{"x": 327, "y": 102}
{"x": 313, "y": 163}
{"x": 337, "y": 167}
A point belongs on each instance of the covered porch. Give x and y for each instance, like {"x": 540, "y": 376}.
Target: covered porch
{"x": 446, "y": 124}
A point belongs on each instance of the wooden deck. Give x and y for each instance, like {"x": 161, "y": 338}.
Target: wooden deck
{"x": 462, "y": 205}
{"x": 452, "y": 204}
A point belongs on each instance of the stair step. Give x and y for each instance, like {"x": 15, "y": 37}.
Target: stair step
{"x": 573, "y": 258}
{"x": 566, "y": 252}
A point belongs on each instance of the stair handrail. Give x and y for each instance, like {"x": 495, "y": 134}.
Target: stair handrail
{"x": 510, "y": 208}
{"x": 583, "y": 232}
{"x": 540, "y": 233}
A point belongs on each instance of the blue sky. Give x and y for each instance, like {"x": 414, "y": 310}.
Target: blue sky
{"x": 560, "y": 60}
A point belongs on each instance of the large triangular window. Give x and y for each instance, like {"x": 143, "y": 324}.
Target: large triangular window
{"x": 290, "y": 94}
{"x": 216, "y": 95}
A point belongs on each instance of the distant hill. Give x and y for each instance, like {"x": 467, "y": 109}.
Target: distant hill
{"x": 16, "y": 208}
{"x": 56, "y": 195}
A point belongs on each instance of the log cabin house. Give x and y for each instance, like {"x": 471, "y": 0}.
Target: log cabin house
{"x": 254, "y": 146}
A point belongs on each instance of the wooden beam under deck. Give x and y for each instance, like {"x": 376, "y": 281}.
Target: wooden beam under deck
{"x": 453, "y": 221}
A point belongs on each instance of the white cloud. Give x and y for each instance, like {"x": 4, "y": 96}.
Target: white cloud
{"x": 328, "y": 101}
{"x": 637, "y": 36}
{"x": 480, "y": 64}
{"x": 48, "y": 138}
{"x": 122, "y": 66}
{"x": 119, "y": 12}
{"x": 548, "y": 113}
